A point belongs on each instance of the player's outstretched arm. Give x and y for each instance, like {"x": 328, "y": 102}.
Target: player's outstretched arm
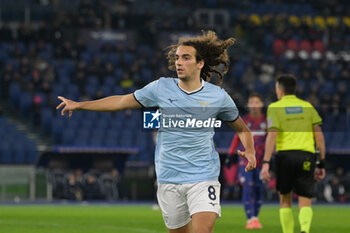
{"x": 247, "y": 140}
{"x": 108, "y": 104}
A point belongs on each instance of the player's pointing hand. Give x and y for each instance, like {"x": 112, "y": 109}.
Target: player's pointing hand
{"x": 250, "y": 156}
{"x": 67, "y": 105}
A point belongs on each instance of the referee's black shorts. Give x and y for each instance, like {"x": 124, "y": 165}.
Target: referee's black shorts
{"x": 295, "y": 170}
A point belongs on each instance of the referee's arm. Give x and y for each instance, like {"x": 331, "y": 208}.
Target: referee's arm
{"x": 320, "y": 171}
{"x": 269, "y": 148}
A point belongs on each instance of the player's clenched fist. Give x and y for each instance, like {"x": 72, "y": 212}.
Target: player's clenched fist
{"x": 67, "y": 105}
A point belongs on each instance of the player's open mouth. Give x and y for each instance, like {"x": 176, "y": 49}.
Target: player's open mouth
{"x": 180, "y": 70}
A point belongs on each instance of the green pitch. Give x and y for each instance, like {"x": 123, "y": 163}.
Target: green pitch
{"x": 142, "y": 219}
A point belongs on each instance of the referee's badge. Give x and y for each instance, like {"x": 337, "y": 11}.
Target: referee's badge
{"x": 306, "y": 165}
{"x": 269, "y": 123}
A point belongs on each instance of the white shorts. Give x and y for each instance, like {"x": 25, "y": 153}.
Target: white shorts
{"x": 179, "y": 202}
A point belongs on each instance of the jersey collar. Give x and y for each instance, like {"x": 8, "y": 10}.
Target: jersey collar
{"x": 190, "y": 92}
{"x": 289, "y": 96}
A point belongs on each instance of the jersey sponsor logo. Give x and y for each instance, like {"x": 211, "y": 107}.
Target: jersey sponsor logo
{"x": 294, "y": 110}
{"x": 191, "y": 123}
{"x": 151, "y": 119}
{"x": 156, "y": 120}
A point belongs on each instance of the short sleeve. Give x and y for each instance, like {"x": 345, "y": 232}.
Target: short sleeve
{"x": 147, "y": 96}
{"x": 273, "y": 121}
{"x": 316, "y": 119}
{"x": 228, "y": 110}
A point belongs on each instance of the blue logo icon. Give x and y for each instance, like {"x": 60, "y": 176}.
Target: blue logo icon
{"x": 151, "y": 119}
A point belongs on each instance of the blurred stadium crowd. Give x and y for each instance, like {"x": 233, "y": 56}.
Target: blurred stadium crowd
{"x": 51, "y": 55}
{"x": 93, "y": 185}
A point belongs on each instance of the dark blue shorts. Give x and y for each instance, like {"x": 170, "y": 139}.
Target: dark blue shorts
{"x": 250, "y": 178}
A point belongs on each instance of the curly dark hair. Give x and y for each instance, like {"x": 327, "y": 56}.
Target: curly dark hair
{"x": 208, "y": 48}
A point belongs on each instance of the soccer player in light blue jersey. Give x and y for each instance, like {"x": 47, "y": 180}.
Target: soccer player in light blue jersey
{"x": 187, "y": 165}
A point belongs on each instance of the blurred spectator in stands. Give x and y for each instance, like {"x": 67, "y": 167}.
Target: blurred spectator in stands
{"x": 126, "y": 81}
{"x": 99, "y": 94}
{"x": 334, "y": 191}
{"x": 313, "y": 100}
{"x": 119, "y": 7}
{"x": 36, "y": 110}
{"x": 36, "y": 79}
{"x": 135, "y": 75}
{"x": 25, "y": 33}
{"x": 72, "y": 189}
{"x": 79, "y": 176}
{"x": 339, "y": 173}
{"x": 107, "y": 71}
{"x": 7, "y": 70}
{"x": 58, "y": 182}
{"x": 248, "y": 79}
{"x": 42, "y": 33}
{"x": 24, "y": 69}
{"x": 91, "y": 188}
{"x": 110, "y": 184}
{"x": 266, "y": 73}
{"x": 95, "y": 68}
{"x": 347, "y": 186}
{"x": 6, "y": 80}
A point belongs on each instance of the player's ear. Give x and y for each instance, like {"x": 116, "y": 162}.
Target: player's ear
{"x": 200, "y": 64}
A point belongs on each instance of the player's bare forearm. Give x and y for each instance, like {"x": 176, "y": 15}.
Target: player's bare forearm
{"x": 247, "y": 140}
{"x": 111, "y": 103}
{"x": 244, "y": 133}
{"x": 270, "y": 144}
{"x": 320, "y": 143}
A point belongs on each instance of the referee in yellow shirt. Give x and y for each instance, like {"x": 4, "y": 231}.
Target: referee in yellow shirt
{"x": 294, "y": 126}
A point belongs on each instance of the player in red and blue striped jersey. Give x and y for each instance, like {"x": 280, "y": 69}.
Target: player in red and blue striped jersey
{"x": 251, "y": 182}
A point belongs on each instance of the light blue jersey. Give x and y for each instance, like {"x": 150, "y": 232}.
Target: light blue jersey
{"x": 185, "y": 151}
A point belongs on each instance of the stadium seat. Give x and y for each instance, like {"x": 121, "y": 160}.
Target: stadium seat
{"x": 306, "y": 46}
{"x": 5, "y": 152}
{"x": 319, "y": 46}
{"x": 19, "y": 153}
{"x": 31, "y": 152}
{"x": 268, "y": 42}
{"x": 81, "y": 141}
{"x": 127, "y": 139}
{"x": 67, "y": 137}
{"x": 46, "y": 120}
{"x": 25, "y": 103}
{"x": 279, "y": 47}
{"x": 15, "y": 93}
{"x": 292, "y": 45}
